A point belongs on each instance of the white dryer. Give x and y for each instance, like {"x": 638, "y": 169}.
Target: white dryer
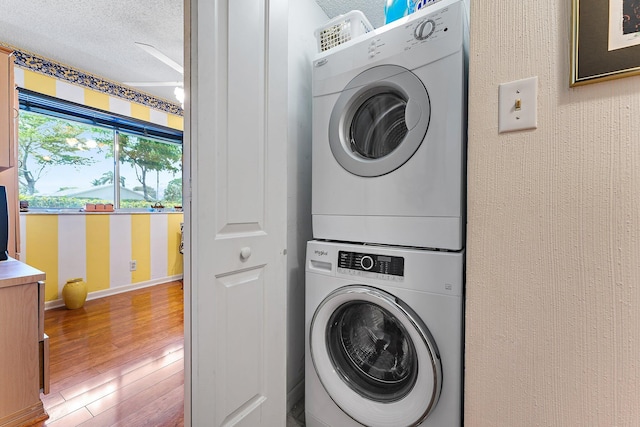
{"x": 384, "y": 336}
{"x": 389, "y": 130}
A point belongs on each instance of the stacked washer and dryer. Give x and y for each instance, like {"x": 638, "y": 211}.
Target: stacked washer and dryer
{"x": 385, "y": 273}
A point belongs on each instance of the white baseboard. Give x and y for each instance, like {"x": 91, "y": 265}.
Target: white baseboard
{"x": 295, "y": 395}
{"x": 114, "y": 291}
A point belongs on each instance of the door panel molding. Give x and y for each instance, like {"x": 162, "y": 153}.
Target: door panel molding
{"x": 239, "y": 230}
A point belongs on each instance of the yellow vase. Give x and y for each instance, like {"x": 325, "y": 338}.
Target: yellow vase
{"x": 74, "y": 293}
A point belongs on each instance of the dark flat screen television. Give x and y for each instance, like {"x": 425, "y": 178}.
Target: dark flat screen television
{"x": 4, "y": 224}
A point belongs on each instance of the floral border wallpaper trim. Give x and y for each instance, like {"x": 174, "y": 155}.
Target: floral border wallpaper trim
{"x": 62, "y": 72}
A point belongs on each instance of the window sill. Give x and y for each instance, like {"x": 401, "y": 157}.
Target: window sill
{"x": 81, "y": 212}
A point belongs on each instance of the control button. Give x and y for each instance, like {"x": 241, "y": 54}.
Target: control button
{"x": 424, "y": 29}
{"x": 366, "y": 262}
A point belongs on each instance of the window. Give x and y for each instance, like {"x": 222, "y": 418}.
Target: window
{"x": 70, "y": 155}
{"x": 151, "y": 168}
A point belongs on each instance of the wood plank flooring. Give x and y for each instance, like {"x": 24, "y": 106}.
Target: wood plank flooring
{"x": 118, "y": 361}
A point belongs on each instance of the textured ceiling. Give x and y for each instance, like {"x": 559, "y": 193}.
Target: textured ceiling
{"x": 98, "y": 36}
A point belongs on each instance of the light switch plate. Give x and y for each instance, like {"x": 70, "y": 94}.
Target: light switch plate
{"x": 517, "y": 105}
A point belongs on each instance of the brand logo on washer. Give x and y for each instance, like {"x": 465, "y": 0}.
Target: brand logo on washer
{"x": 320, "y": 253}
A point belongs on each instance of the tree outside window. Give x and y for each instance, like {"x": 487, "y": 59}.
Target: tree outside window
{"x": 67, "y": 164}
{"x": 154, "y": 164}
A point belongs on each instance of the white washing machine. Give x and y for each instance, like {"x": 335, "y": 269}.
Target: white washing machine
{"x": 389, "y": 130}
{"x": 384, "y": 336}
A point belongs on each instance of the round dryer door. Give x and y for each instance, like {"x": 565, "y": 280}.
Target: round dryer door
{"x": 379, "y": 121}
{"x": 375, "y": 357}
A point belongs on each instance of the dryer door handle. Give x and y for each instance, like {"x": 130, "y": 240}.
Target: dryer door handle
{"x": 412, "y": 114}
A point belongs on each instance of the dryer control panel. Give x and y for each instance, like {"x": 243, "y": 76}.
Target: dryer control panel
{"x": 421, "y": 38}
{"x": 371, "y": 265}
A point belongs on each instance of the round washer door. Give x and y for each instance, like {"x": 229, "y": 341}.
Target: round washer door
{"x": 375, "y": 357}
{"x": 379, "y": 121}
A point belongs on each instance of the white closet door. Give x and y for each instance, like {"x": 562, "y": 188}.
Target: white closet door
{"x": 236, "y": 124}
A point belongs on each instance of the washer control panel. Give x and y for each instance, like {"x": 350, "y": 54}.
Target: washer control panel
{"x": 374, "y": 266}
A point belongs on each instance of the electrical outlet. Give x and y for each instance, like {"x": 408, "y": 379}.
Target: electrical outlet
{"x": 133, "y": 265}
{"x": 517, "y": 109}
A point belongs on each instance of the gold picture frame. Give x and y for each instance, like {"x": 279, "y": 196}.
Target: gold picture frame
{"x": 605, "y": 41}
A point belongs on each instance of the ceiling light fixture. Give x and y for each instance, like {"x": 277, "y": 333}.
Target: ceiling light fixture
{"x": 179, "y": 93}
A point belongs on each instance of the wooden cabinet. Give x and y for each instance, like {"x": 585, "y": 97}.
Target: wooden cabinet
{"x": 23, "y": 347}
{"x": 9, "y": 147}
{"x": 7, "y": 113}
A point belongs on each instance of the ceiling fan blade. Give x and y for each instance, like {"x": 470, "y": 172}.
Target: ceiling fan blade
{"x": 151, "y": 50}
{"x": 153, "y": 84}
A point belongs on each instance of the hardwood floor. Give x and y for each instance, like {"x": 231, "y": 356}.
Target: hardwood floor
{"x": 118, "y": 361}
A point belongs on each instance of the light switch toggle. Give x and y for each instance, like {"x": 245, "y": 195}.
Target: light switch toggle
{"x": 517, "y": 105}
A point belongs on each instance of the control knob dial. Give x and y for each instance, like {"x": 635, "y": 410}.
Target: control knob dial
{"x": 366, "y": 262}
{"x": 424, "y": 29}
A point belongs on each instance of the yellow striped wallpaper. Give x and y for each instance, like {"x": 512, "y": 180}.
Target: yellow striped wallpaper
{"x": 100, "y": 247}
{"x": 42, "y": 240}
{"x": 174, "y": 259}
{"x": 91, "y": 98}
{"x": 39, "y": 83}
{"x": 51, "y": 86}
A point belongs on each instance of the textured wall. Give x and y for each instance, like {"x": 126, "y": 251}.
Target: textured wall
{"x": 553, "y": 258}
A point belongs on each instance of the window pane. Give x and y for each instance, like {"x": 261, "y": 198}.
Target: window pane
{"x": 62, "y": 163}
{"x": 150, "y": 172}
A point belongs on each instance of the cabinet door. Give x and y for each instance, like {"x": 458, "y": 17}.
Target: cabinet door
{"x": 14, "y": 204}
{"x": 19, "y": 361}
{"x": 7, "y": 93}
{"x": 9, "y": 147}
